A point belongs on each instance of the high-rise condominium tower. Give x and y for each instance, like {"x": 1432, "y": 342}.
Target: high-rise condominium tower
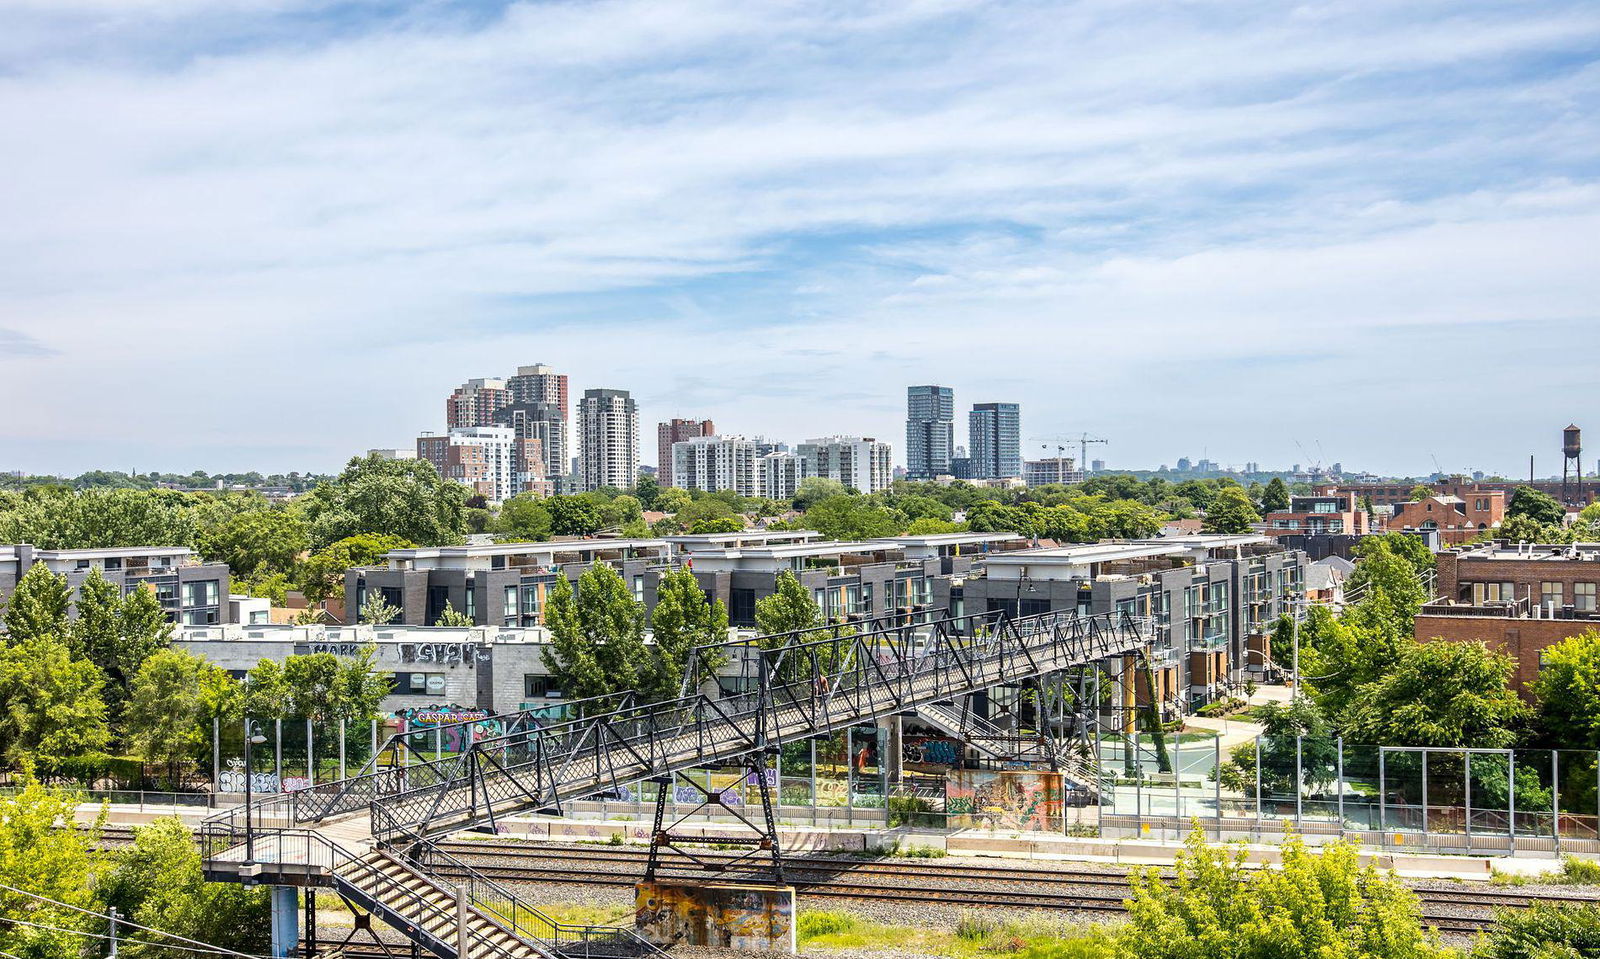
{"x": 676, "y": 431}
{"x": 608, "y": 422}
{"x": 995, "y": 434}
{"x": 930, "y": 430}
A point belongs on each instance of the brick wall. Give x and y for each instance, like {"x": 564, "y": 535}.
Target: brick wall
{"x": 1522, "y": 639}
{"x": 1453, "y": 570}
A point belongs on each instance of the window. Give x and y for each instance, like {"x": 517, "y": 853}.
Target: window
{"x": 83, "y": 564}
{"x": 866, "y": 598}
{"x": 200, "y": 593}
{"x": 1550, "y": 595}
{"x": 113, "y": 562}
{"x": 419, "y": 684}
{"x": 540, "y": 687}
{"x": 438, "y": 596}
{"x": 852, "y": 599}
{"x": 638, "y": 589}
{"x": 1583, "y": 596}
{"x": 1493, "y": 593}
{"x": 509, "y": 612}
{"x": 741, "y": 607}
{"x": 472, "y": 602}
{"x": 530, "y": 605}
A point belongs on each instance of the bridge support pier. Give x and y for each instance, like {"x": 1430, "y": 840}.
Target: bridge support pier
{"x": 719, "y": 914}
{"x": 285, "y": 921}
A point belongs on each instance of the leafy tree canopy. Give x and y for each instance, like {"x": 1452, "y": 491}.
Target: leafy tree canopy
{"x": 1231, "y": 512}
{"x": 1440, "y": 694}
{"x": 1537, "y": 506}
{"x": 404, "y": 498}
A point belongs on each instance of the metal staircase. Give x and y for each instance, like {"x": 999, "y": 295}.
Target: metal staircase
{"x": 741, "y": 697}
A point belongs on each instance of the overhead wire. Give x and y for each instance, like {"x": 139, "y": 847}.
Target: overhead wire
{"x": 204, "y": 946}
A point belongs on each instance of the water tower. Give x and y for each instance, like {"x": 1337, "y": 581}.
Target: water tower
{"x": 1571, "y": 466}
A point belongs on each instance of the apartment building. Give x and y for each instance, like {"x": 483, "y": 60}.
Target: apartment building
{"x": 781, "y": 473}
{"x": 191, "y": 592}
{"x": 492, "y": 460}
{"x": 849, "y": 581}
{"x": 930, "y": 431}
{"x": 498, "y": 584}
{"x": 714, "y": 463}
{"x": 995, "y": 440}
{"x": 671, "y": 433}
{"x": 608, "y": 421}
{"x": 1519, "y": 598}
{"x": 1334, "y": 511}
{"x": 859, "y": 462}
{"x": 475, "y": 403}
{"x": 1211, "y": 600}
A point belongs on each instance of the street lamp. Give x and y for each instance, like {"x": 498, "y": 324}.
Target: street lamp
{"x": 251, "y": 737}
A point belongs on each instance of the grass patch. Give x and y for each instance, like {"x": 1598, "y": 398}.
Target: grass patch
{"x": 978, "y": 935}
{"x": 1573, "y": 872}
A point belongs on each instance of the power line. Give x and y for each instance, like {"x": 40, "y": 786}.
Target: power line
{"x": 205, "y": 946}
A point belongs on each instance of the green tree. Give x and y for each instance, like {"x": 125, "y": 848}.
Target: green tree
{"x": 118, "y": 633}
{"x": 53, "y": 712}
{"x": 377, "y": 610}
{"x": 59, "y": 518}
{"x": 933, "y": 527}
{"x": 704, "y": 510}
{"x": 258, "y": 542}
{"x": 1568, "y": 692}
{"x": 671, "y": 500}
{"x": 1382, "y": 574}
{"x": 404, "y": 498}
{"x": 1323, "y": 904}
{"x": 325, "y": 688}
{"x": 645, "y": 490}
{"x": 854, "y": 518}
{"x": 174, "y": 697}
{"x": 573, "y": 516}
{"x": 601, "y": 649}
{"x": 523, "y": 519}
{"x": 450, "y": 616}
{"x": 1443, "y": 694}
{"x": 1297, "y": 728}
{"x": 1275, "y": 497}
{"x": 157, "y": 882}
{"x": 1420, "y": 492}
{"x": 1543, "y": 931}
{"x": 322, "y": 575}
{"x": 44, "y": 853}
{"x": 683, "y": 618}
{"x": 1231, "y": 512}
{"x": 726, "y": 524}
{"x": 38, "y": 606}
{"x": 815, "y": 489}
{"x": 1537, "y": 506}
{"x": 789, "y": 608}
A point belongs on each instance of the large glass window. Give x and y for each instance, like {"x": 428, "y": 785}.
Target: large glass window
{"x": 1583, "y": 596}
{"x": 1551, "y": 595}
{"x": 200, "y": 593}
{"x": 509, "y": 616}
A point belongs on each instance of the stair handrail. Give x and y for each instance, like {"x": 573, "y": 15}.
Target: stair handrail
{"x": 523, "y": 920}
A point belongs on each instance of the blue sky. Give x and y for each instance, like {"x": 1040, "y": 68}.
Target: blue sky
{"x": 266, "y": 234}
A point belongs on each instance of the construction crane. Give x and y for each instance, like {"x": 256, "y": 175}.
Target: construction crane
{"x": 1082, "y": 439}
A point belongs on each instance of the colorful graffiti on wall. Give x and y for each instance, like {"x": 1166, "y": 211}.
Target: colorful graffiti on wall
{"x": 453, "y": 738}
{"x": 930, "y": 750}
{"x": 1020, "y": 801}
{"x": 752, "y": 918}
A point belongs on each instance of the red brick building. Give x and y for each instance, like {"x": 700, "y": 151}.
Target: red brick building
{"x": 1458, "y": 518}
{"x": 1517, "y": 599}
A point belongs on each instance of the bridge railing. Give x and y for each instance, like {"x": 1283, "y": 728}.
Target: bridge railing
{"x": 807, "y": 683}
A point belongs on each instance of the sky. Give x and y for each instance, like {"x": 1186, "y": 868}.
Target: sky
{"x": 270, "y": 234}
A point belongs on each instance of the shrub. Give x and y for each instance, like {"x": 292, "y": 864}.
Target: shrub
{"x": 1543, "y": 931}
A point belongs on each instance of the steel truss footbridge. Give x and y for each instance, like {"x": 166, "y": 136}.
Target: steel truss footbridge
{"x": 370, "y": 837}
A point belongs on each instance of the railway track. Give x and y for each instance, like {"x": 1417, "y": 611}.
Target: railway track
{"x": 1057, "y": 887}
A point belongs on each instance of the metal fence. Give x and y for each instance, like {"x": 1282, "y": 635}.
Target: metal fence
{"x": 1435, "y": 798}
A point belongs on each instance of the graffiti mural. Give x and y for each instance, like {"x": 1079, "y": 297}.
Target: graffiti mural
{"x": 453, "y": 738}
{"x": 1014, "y": 800}
{"x": 727, "y": 916}
{"x": 932, "y": 750}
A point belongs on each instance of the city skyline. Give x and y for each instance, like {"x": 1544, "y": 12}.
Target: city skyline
{"x": 268, "y": 214}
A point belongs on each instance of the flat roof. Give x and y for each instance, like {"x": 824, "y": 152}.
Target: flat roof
{"x": 1500, "y": 550}
{"x": 113, "y": 551}
{"x": 1085, "y": 553}
{"x": 1211, "y": 540}
{"x": 950, "y": 539}
{"x": 510, "y": 549}
{"x": 777, "y": 535}
{"x": 791, "y": 550}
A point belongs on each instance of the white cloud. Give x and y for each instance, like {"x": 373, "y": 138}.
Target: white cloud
{"x": 296, "y": 211}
